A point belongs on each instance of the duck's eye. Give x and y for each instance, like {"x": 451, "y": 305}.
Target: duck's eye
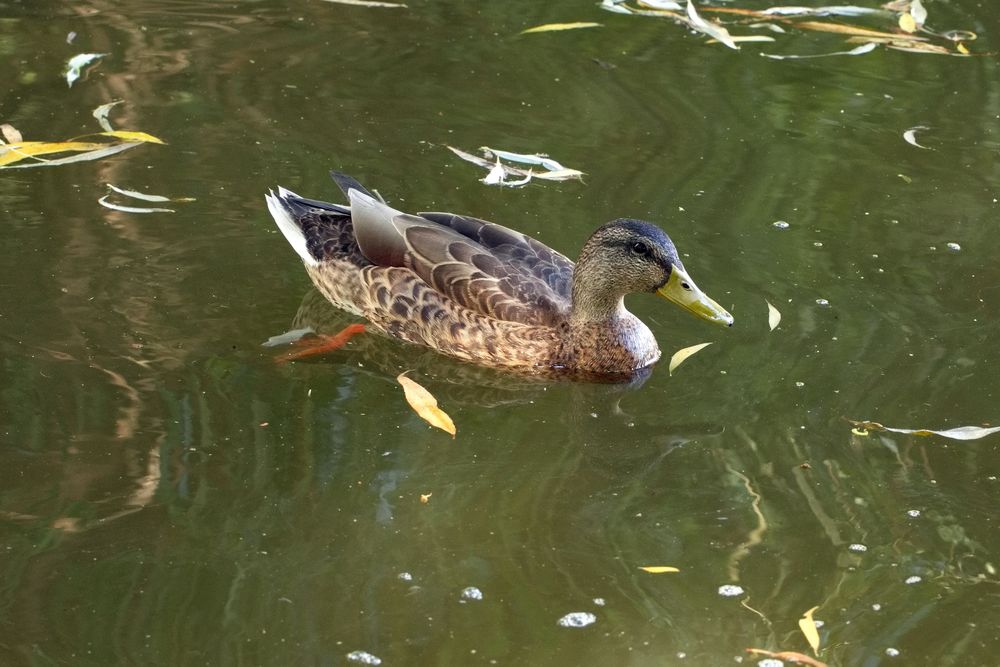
{"x": 640, "y": 248}
{"x": 686, "y": 285}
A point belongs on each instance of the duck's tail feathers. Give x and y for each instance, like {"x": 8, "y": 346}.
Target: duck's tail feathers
{"x": 347, "y": 183}
{"x": 282, "y": 205}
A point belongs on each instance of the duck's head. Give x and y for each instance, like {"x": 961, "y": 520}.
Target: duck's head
{"x": 625, "y": 256}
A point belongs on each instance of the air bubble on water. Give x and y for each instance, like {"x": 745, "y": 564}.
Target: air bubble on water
{"x": 780, "y": 224}
{"x": 913, "y": 513}
{"x": 599, "y": 602}
{"x": 876, "y": 607}
{"x": 818, "y": 244}
{"x": 577, "y": 619}
{"x": 822, "y": 302}
{"x": 770, "y": 662}
{"x": 472, "y": 593}
{"x": 800, "y": 384}
{"x": 404, "y": 576}
{"x": 892, "y": 652}
{"x": 858, "y": 548}
{"x": 364, "y": 658}
{"x": 954, "y": 247}
{"x": 730, "y": 590}
{"x": 913, "y": 580}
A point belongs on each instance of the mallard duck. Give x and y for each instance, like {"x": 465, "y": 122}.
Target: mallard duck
{"x": 484, "y": 293}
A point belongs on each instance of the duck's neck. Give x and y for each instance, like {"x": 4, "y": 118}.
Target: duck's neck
{"x": 596, "y": 299}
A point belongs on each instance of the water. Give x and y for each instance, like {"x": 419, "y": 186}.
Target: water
{"x": 170, "y": 495}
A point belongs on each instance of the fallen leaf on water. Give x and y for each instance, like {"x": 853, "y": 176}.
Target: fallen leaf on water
{"x": 553, "y": 27}
{"x": 76, "y": 64}
{"x": 658, "y": 569}
{"x": 103, "y": 201}
{"x": 287, "y": 337}
{"x": 846, "y": 29}
{"x": 907, "y": 23}
{"x": 867, "y": 47}
{"x": 524, "y": 158}
{"x": 309, "y": 348}
{"x": 499, "y": 172}
{"x": 845, "y": 10}
{"x": 615, "y": 6}
{"x": 808, "y": 627}
{"x": 425, "y": 497}
{"x": 711, "y": 29}
{"x": 740, "y": 39}
{"x": 959, "y": 433}
{"x": 791, "y": 656}
{"x": 367, "y": 3}
{"x": 918, "y": 12}
{"x": 147, "y": 197}
{"x": 680, "y": 356}
{"x": 101, "y": 114}
{"x": 11, "y": 134}
{"x": 773, "y": 316}
{"x": 910, "y": 136}
{"x": 425, "y": 405}
{"x": 661, "y": 4}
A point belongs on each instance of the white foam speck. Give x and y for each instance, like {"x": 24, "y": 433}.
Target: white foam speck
{"x": 577, "y": 619}
{"x": 364, "y": 658}
{"x": 730, "y": 590}
{"x": 472, "y": 593}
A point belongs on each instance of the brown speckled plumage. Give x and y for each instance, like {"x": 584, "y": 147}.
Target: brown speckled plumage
{"x": 479, "y": 291}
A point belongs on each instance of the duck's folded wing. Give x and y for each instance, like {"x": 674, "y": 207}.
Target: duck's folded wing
{"x": 508, "y": 279}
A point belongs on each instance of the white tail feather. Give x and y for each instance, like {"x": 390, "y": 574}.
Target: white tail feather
{"x": 288, "y": 226}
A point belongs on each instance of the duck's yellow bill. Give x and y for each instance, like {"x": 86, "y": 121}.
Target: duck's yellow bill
{"x": 681, "y": 290}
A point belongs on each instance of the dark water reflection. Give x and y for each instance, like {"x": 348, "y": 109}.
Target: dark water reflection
{"x": 170, "y": 495}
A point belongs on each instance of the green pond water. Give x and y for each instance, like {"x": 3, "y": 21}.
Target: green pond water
{"x": 169, "y": 495}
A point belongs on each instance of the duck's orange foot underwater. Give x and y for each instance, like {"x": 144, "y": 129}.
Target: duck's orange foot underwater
{"x": 321, "y": 344}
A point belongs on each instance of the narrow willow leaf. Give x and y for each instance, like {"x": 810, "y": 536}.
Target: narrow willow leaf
{"x": 367, "y": 3}
{"x": 680, "y": 356}
{"x": 959, "y": 433}
{"x": 101, "y": 114}
{"x": 287, "y": 337}
{"x": 918, "y": 12}
{"x": 524, "y": 158}
{"x": 561, "y": 175}
{"x": 773, "y": 316}
{"x": 791, "y": 656}
{"x": 661, "y": 4}
{"x": 659, "y": 569}
{"x": 713, "y": 30}
{"x": 11, "y": 134}
{"x": 137, "y": 195}
{"x": 425, "y": 405}
{"x": 742, "y": 39}
{"x": 76, "y": 64}
{"x": 808, "y": 627}
{"x": 867, "y": 47}
{"x": 615, "y": 6}
{"x": 132, "y": 136}
{"x": 94, "y": 154}
{"x": 845, "y": 29}
{"x": 845, "y": 10}
{"x": 103, "y": 201}
{"x": 553, "y": 27}
{"x": 469, "y": 157}
{"x": 910, "y": 136}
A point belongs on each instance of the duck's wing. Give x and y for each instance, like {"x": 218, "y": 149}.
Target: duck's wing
{"x": 484, "y": 267}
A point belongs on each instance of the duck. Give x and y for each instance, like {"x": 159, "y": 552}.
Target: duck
{"x": 485, "y": 293}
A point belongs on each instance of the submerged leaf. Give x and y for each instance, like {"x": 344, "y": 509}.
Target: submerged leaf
{"x": 101, "y": 114}
{"x": 791, "y": 656}
{"x": 425, "y": 405}
{"x": 867, "y": 47}
{"x": 367, "y": 3}
{"x": 76, "y": 64}
{"x": 773, "y": 316}
{"x": 713, "y": 30}
{"x": 103, "y": 201}
{"x": 959, "y": 433}
{"x": 659, "y": 569}
{"x": 287, "y": 337}
{"x": 808, "y": 627}
{"x": 326, "y": 344}
{"x": 553, "y": 27}
{"x": 680, "y": 356}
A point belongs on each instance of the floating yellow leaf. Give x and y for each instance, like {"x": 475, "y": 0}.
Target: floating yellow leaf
{"x": 87, "y": 147}
{"x": 425, "y": 497}
{"x": 552, "y": 27}
{"x": 959, "y": 433}
{"x": 425, "y": 405}
{"x": 907, "y": 23}
{"x": 846, "y": 29}
{"x": 773, "y": 316}
{"x": 658, "y": 569}
{"x": 808, "y": 627}
{"x": 141, "y": 137}
{"x": 680, "y": 356}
